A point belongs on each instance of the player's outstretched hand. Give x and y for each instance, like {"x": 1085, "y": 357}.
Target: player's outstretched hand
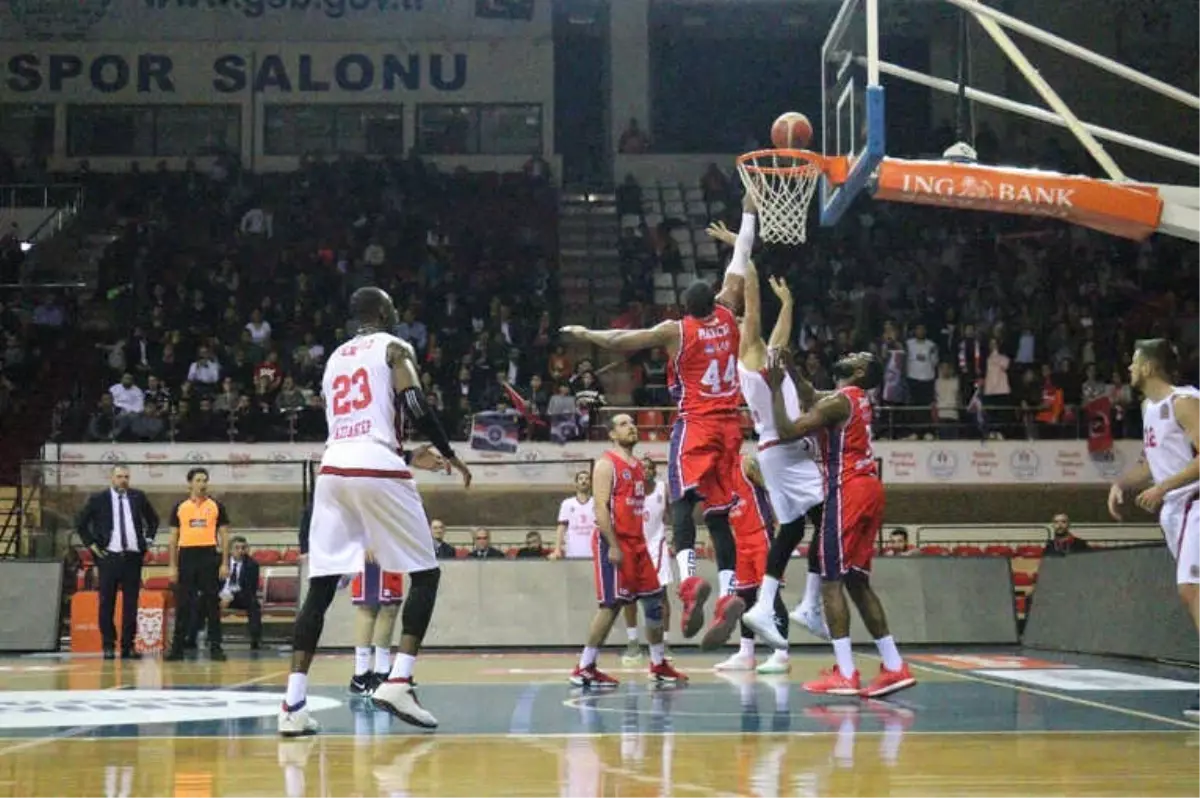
{"x": 720, "y": 232}
{"x": 775, "y": 371}
{"x": 426, "y": 458}
{"x": 462, "y": 469}
{"x": 1116, "y": 497}
{"x": 780, "y": 288}
{"x": 573, "y": 332}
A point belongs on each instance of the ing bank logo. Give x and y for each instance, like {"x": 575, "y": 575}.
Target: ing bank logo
{"x": 47, "y": 20}
{"x": 40, "y": 709}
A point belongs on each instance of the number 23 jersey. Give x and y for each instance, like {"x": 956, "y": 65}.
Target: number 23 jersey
{"x": 360, "y": 406}
{"x": 703, "y": 374}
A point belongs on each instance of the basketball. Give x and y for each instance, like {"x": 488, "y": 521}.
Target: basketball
{"x": 791, "y": 131}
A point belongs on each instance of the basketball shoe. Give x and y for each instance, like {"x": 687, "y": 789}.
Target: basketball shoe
{"x": 832, "y": 682}
{"x": 812, "y": 618}
{"x": 297, "y": 721}
{"x": 665, "y": 673}
{"x": 726, "y": 614}
{"x": 778, "y": 662}
{"x": 888, "y": 682}
{"x": 362, "y": 685}
{"x": 399, "y": 697}
{"x": 760, "y": 619}
{"x": 693, "y": 592}
{"x": 592, "y": 677}
{"x": 737, "y": 662}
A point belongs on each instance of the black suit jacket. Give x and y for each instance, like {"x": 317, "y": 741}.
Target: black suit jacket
{"x": 247, "y": 577}
{"x": 95, "y": 523}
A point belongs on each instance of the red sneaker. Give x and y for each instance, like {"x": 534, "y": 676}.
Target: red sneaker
{"x": 832, "y": 682}
{"x": 592, "y": 677}
{"x": 693, "y": 592}
{"x": 888, "y": 682}
{"x": 726, "y": 614}
{"x": 664, "y": 673}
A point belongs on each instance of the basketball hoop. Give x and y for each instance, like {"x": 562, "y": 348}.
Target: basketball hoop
{"x": 782, "y": 184}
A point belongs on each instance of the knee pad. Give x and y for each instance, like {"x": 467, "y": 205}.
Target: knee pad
{"x": 422, "y": 597}
{"x": 310, "y": 621}
{"x": 652, "y": 610}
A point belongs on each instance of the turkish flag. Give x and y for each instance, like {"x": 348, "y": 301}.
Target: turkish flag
{"x": 1099, "y": 420}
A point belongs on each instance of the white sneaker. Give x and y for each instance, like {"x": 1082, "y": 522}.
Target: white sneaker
{"x": 760, "y": 619}
{"x": 298, "y": 723}
{"x": 738, "y": 662}
{"x": 778, "y": 662}
{"x": 400, "y": 699}
{"x": 812, "y": 618}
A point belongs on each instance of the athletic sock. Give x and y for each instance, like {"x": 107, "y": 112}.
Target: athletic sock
{"x": 402, "y": 666}
{"x": 724, "y": 583}
{"x": 658, "y": 653}
{"x": 767, "y": 591}
{"x": 631, "y": 633}
{"x": 686, "y": 560}
{"x": 812, "y": 590}
{"x": 844, "y": 656}
{"x": 747, "y": 647}
{"x": 383, "y": 660}
{"x": 362, "y": 660}
{"x": 889, "y": 653}
{"x": 297, "y": 689}
{"x": 588, "y": 658}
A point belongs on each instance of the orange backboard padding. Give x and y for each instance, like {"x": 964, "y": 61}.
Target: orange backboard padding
{"x": 1126, "y": 210}
{"x": 156, "y": 611}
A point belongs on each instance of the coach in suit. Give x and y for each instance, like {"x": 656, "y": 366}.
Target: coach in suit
{"x": 240, "y": 591}
{"x": 118, "y": 526}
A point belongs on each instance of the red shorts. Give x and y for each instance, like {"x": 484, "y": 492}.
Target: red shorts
{"x": 853, "y": 517}
{"x": 703, "y": 457}
{"x": 375, "y": 587}
{"x": 635, "y": 577}
{"x": 751, "y": 559}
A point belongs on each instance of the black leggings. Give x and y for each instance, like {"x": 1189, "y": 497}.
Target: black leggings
{"x": 790, "y": 536}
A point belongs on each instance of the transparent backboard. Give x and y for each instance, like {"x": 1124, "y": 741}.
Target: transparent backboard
{"x": 852, "y": 122}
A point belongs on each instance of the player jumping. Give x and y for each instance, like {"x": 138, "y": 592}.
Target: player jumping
{"x": 1170, "y": 442}
{"x": 851, "y": 520}
{"x": 754, "y": 530}
{"x": 366, "y": 500}
{"x": 707, "y": 434}
{"x": 623, "y": 568}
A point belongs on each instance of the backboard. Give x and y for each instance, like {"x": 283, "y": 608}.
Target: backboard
{"x": 852, "y": 114}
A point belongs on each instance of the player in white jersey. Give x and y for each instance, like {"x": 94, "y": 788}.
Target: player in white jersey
{"x": 655, "y": 531}
{"x": 576, "y": 521}
{"x": 365, "y": 499}
{"x": 1170, "y": 443}
{"x": 790, "y": 469}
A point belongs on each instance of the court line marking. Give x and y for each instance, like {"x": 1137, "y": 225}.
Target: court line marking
{"x": 1022, "y": 688}
{"x": 441, "y": 735}
{"x": 75, "y": 731}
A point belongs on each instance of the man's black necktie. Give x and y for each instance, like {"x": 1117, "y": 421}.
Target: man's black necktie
{"x": 121, "y": 523}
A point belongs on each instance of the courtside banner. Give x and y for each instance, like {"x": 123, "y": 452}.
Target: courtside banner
{"x": 950, "y": 463}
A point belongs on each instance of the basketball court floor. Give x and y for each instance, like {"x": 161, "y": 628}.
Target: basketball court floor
{"x": 979, "y": 723}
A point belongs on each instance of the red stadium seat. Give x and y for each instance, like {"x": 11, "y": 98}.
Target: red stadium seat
{"x": 996, "y": 550}
{"x": 461, "y": 553}
{"x": 157, "y": 583}
{"x": 968, "y": 551}
{"x": 158, "y": 557}
{"x": 936, "y": 551}
{"x": 266, "y": 556}
{"x": 1024, "y": 578}
{"x": 651, "y": 425}
{"x": 291, "y": 556}
{"x": 1034, "y": 552}
{"x": 1022, "y": 604}
{"x": 511, "y": 553}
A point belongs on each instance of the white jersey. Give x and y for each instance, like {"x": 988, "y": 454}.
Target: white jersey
{"x": 580, "y": 518}
{"x": 654, "y": 510}
{"x": 1166, "y": 444}
{"x": 757, "y": 393}
{"x": 360, "y": 405}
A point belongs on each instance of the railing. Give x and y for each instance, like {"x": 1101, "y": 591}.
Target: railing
{"x": 34, "y": 195}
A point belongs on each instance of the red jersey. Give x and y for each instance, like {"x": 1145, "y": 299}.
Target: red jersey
{"x": 848, "y": 452}
{"x": 703, "y": 375}
{"x": 751, "y": 513}
{"x": 625, "y": 503}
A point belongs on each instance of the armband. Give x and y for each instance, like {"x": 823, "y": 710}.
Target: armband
{"x": 743, "y": 245}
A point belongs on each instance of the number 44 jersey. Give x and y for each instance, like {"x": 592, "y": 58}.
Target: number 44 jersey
{"x": 360, "y": 406}
{"x": 703, "y": 374}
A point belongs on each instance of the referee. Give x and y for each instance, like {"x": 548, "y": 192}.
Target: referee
{"x": 199, "y": 563}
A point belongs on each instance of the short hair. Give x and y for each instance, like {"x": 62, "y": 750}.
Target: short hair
{"x": 367, "y": 304}
{"x": 1158, "y": 351}
{"x": 195, "y": 472}
{"x": 117, "y": 467}
{"x": 582, "y": 472}
{"x": 236, "y": 539}
{"x": 699, "y": 299}
{"x": 901, "y": 531}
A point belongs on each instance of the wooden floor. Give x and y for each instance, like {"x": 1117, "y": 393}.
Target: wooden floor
{"x": 977, "y": 724}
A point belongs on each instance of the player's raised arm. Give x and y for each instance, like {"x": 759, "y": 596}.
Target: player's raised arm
{"x": 1187, "y": 415}
{"x": 665, "y": 334}
{"x": 751, "y": 340}
{"x": 782, "y": 333}
{"x": 407, "y": 384}
{"x": 602, "y": 483}
{"x": 827, "y": 412}
{"x": 733, "y": 288}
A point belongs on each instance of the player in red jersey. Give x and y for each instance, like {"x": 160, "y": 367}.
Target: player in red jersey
{"x": 624, "y": 570}
{"x": 707, "y": 434}
{"x": 853, "y": 516}
{"x": 754, "y": 527}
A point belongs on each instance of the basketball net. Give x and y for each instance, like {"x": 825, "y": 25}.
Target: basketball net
{"x": 782, "y": 184}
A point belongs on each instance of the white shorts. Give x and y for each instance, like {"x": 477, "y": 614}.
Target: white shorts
{"x": 356, "y": 510}
{"x": 793, "y": 479}
{"x": 661, "y": 558}
{"x": 1180, "y": 520}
